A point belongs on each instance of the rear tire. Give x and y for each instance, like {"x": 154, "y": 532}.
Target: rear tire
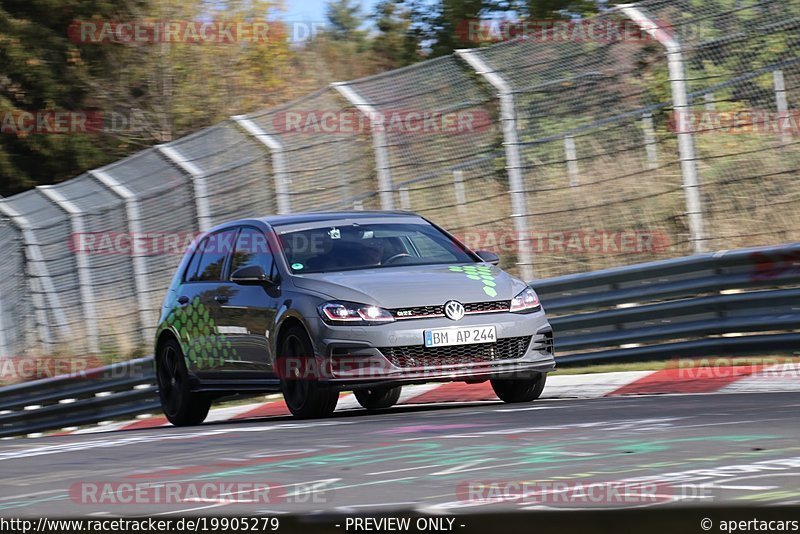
{"x": 304, "y": 396}
{"x": 181, "y": 406}
{"x": 378, "y": 398}
{"x": 519, "y": 389}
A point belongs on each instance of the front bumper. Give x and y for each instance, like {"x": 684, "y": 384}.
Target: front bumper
{"x": 362, "y": 356}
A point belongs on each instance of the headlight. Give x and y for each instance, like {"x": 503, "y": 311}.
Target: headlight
{"x": 526, "y": 301}
{"x": 350, "y": 313}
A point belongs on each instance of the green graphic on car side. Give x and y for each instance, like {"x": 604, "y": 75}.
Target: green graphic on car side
{"x": 480, "y": 273}
{"x": 207, "y": 349}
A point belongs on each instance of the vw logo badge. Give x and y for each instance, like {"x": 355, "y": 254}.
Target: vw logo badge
{"x": 454, "y": 310}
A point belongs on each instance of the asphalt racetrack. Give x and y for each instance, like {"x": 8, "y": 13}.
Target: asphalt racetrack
{"x": 721, "y": 449}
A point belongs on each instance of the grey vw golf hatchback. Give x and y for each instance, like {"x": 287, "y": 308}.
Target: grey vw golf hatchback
{"x": 313, "y": 304}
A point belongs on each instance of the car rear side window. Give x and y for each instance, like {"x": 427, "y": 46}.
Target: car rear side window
{"x": 252, "y": 249}
{"x": 216, "y": 249}
{"x": 191, "y": 271}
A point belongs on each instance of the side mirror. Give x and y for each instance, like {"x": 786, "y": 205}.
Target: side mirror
{"x": 488, "y": 257}
{"x": 253, "y": 275}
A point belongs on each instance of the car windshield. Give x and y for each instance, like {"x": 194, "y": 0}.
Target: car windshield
{"x": 354, "y": 246}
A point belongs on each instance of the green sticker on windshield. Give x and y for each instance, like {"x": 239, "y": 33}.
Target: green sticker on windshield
{"x": 298, "y": 266}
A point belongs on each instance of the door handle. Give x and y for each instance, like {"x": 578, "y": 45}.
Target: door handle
{"x": 222, "y": 299}
{"x": 183, "y": 301}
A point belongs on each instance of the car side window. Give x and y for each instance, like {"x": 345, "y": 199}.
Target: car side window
{"x": 191, "y": 271}
{"x": 217, "y": 247}
{"x": 252, "y": 249}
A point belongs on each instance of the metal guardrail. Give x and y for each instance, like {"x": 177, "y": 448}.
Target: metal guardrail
{"x": 116, "y": 391}
{"x": 733, "y": 302}
{"x": 730, "y": 302}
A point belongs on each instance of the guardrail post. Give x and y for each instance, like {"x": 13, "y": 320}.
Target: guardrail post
{"x": 282, "y": 183}
{"x": 38, "y": 274}
{"x": 86, "y": 286}
{"x": 198, "y": 181}
{"x": 380, "y": 144}
{"x": 680, "y": 104}
{"x": 133, "y": 216}
{"x": 511, "y": 142}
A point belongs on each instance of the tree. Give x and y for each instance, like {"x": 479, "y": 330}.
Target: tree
{"x": 443, "y": 25}
{"x": 342, "y": 51}
{"x": 395, "y": 45}
{"x": 553, "y": 9}
{"x": 144, "y": 92}
{"x": 42, "y": 69}
{"x": 346, "y": 21}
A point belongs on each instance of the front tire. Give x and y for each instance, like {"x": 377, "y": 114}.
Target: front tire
{"x": 519, "y": 389}
{"x": 181, "y": 406}
{"x": 378, "y": 398}
{"x": 304, "y": 396}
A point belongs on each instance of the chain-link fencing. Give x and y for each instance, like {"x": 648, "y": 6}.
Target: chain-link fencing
{"x": 654, "y": 130}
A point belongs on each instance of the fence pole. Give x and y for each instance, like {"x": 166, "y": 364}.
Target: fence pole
{"x": 710, "y": 102}
{"x": 198, "y": 181}
{"x": 379, "y": 142}
{"x": 650, "y": 140}
{"x": 461, "y": 192}
{"x": 38, "y": 274}
{"x": 680, "y": 104}
{"x": 84, "y": 269}
{"x": 4, "y": 350}
{"x": 519, "y": 207}
{"x": 782, "y": 105}
{"x": 572, "y": 161}
{"x": 282, "y": 184}
{"x": 133, "y": 216}
{"x": 405, "y": 199}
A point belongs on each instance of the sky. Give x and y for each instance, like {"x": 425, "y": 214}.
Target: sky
{"x": 314, "y": 10}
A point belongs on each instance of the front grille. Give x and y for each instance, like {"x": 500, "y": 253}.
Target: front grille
{"x": 417, "y": 312}
{"x": 421, "y": 356}
{"x": 488, "y": 307}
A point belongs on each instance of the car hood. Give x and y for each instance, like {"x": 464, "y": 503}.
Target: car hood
{"x": 402, "y": 287}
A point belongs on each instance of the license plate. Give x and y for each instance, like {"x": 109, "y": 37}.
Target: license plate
{"x": 462, "y": 335}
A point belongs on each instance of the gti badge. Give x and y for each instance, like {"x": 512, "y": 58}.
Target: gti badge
{"x": 454, "y": 310}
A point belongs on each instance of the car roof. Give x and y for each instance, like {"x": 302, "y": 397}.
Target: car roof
{"x": 312, "y": 217}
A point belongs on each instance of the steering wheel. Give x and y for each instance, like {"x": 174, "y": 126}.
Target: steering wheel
{"x": 396, "y": 257}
